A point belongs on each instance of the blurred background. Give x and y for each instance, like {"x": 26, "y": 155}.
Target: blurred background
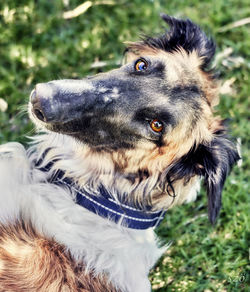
{"x": 42, "y": 40}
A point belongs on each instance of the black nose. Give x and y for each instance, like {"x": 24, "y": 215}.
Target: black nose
{"x": 40, "y": 99}
{"x": 37, "y": 110}
{"x": 61, "y": 101}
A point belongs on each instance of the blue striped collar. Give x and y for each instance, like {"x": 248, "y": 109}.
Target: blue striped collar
{"x": 102, "y": 203}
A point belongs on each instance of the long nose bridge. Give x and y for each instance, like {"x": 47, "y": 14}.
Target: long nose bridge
{"x": 61, "y": 100}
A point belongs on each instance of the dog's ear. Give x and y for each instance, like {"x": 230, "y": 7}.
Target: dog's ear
{"x": 213, "y": 161}
{"x": 189, "y": 36}
{"x": 182, "y": 34}
{"x": 217, "y": 161}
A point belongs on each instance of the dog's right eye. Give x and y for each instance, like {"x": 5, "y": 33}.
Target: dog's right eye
{"x": 141, "y": 65}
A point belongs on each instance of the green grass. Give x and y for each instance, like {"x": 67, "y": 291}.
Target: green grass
{"x": 37, "y": 45}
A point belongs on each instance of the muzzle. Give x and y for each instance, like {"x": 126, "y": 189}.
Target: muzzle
{"x": 63, "y": 100}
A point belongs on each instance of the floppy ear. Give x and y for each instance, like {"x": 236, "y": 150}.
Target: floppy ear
{"x": 212, "y": 161}
{"x": 218, "y": 159}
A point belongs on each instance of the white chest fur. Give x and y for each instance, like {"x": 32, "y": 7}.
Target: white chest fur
{"x": 124, "y": 255}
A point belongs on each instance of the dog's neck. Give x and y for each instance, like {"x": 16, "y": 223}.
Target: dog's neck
{"x": 89, "y": 169}
{"x": 101, "y": 202}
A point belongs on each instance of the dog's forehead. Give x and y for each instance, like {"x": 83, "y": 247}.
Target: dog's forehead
{"x": 182, "y": 68}
{"x": 179, "y": 65}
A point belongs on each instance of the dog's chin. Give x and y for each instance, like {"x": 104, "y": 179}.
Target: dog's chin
{"x": 94, "y": 147}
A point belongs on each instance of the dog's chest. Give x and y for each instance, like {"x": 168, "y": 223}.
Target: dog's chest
{"x": 124, "y": 256}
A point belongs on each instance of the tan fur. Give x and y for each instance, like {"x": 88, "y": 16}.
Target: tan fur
{"x": 182, "y": 67}
{"x": 30, "y": 263}
{"x": 164, "y": 201}
{"x": 147, "y": 156}
{"x": 211, "y": 89}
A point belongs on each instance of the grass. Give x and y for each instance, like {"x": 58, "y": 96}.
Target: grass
{"x": 37, "y": 45}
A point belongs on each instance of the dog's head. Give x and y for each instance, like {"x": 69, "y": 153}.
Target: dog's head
{"x": 153, "y": 116}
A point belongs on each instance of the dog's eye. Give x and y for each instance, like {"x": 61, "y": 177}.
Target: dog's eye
{"x": 141, "y": 65}
{"x": 156, "y": 125}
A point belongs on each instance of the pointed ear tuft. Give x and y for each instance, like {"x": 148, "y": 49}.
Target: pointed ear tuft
{"x": 189, "y": 36}
{"x": 183, "y": 34}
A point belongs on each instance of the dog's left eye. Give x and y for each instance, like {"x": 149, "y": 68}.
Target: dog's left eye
{"x": 141, "y": 65}
{"x": 156, "y": 126}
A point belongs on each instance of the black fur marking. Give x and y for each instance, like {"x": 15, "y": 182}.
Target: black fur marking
{"x": 183, "y": 34}
{"x": 185, "y": 92}
{"x": 213, "y": 162}
{"x": 147, "y": 114}
{"x": 188, "y": 94}
{"x": 109, "y": 137}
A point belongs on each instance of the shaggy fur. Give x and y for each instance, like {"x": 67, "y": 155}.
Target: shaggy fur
{"x": 25, "y": 260}
{"x": 99, "y": 132}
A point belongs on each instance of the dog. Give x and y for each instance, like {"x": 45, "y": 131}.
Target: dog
{"x": 117, "y": 150}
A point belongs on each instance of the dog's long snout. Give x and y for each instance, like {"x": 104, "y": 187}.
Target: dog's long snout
{"x": 61, "y": 100}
